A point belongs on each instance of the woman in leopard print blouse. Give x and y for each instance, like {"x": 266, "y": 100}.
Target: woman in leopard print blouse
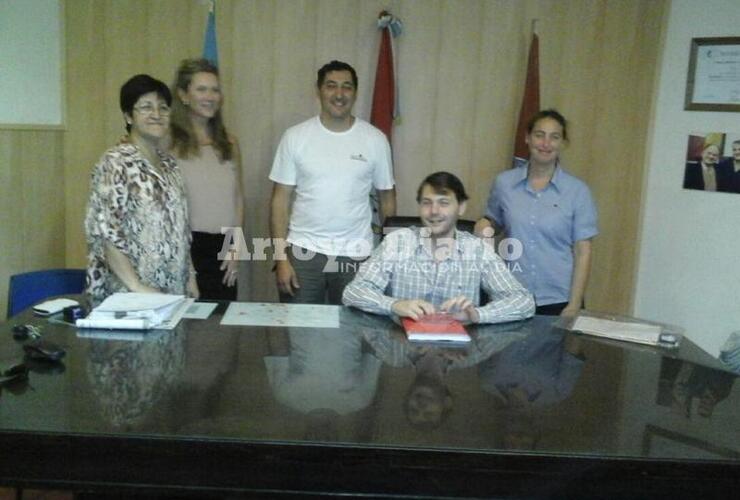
{"x": 137, "y": 226}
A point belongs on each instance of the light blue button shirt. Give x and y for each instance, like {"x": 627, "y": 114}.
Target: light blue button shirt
{"x": 547, "y": 223}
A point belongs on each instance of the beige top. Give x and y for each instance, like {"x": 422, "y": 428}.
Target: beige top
{"x": 212, "y": 190}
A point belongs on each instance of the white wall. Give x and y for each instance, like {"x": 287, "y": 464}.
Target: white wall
{"x": 689, "y": 263}
{"x": 31, "y": 63}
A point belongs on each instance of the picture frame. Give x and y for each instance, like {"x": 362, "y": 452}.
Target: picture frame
{"x": 713, "y": 82}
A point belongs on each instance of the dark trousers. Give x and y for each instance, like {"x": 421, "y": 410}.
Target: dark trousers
{"x": 551, "y": 309}
{"x": 204, "y": 250}
{"x": 321, "y": 278}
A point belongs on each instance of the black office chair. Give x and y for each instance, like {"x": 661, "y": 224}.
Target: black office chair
{"x": 395, "y": 222}
{"x": 26, "y": 289}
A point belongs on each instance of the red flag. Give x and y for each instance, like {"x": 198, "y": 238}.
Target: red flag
{"x": 530, "y": 100}
{"x": 384, "y": 95}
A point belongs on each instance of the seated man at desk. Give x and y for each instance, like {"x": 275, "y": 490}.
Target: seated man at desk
{"x": 436, "y": 268}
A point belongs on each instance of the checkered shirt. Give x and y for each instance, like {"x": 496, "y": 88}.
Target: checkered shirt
{"x": 403, "y": 267}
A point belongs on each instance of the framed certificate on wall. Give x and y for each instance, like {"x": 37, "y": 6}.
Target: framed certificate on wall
{"x": 713, "y": 82}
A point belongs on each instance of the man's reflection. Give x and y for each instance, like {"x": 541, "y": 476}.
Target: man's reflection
{"x": 429, "y": 402}
{"x": 538, "y": 371}
{"x": 324, "y": 374}
{"x": 681, "y": 383}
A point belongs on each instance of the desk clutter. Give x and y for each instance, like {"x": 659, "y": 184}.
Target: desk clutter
{"x": 137, "y": 311}
{"x": 268, "y": 397}
{"x": 623, "y": 328}
{"x": 39, "y": 355}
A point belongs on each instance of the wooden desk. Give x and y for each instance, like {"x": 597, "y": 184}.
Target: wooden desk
{"x": 211, "y": 411}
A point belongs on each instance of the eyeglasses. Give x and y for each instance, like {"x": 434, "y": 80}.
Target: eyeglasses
{"x": 148, "y": 109}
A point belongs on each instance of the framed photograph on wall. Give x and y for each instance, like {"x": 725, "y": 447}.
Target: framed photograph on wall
{"x": 713, "y": 83}
{"x": 713, "y": 162}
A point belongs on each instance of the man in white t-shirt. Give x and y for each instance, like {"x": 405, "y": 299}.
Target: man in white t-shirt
{"x": 331, "y": 161}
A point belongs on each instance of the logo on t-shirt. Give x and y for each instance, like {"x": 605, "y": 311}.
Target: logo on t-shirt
{"x": 358, "y": 157}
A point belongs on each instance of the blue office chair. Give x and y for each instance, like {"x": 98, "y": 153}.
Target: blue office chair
{"x": 26, "y": 289}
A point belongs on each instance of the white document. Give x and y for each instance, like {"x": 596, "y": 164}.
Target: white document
{"x": 137, "y": 311}
{"x": 127, "y": 335}
{"x": 177, "y": 314}
{"x": 274, "y": 314}
{"x": 620, "y": 330}
{"x": 200, "y": 310}
{"x": 53, "y": 306}
{"x": 132, "y": 303}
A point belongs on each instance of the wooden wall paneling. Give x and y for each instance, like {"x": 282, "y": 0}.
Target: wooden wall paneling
{"x": 294, "y": 45}
{"x": 175, "y": 32}
{"x": 457, "y": 97}
{"x": 107, "y": 43}
{"x": 619, "y": 180}
{"x": 501, "y": 68}
{"x": 366, "y": 43}
{"x": 580, "y": 99}
{"x": 418, "y": 69}
{"x": 461, "y": 70}
{"x": 338, "y": 36}
{"x": 31, "y": 192}
{"x": 87, "y": 112}
{"x": 604, "y": 174}
{"x": 42, "y": 231}
{"x": 11, "y": 207}
{"x": 248, "y": 101}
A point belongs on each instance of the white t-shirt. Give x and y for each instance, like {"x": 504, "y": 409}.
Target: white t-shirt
{"x": 333, "y": 173}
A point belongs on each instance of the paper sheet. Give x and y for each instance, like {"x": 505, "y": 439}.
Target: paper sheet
{"x": 200, "y": 310}
{"x": 620, "y": 330}
{"x": 157, "y": 321}
{"x": 274, "y": 314}
{"x": 129, "y": 301}
{"x": 126, "y": 335}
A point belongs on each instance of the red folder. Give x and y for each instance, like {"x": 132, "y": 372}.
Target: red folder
{"x": 435, "y": 328}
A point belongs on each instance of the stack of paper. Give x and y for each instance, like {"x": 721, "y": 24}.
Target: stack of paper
{"x": 137, "y": 311}
{"x": 619, "y": 330}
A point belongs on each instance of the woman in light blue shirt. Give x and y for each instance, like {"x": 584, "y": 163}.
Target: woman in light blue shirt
{"x": 550, "y": 218}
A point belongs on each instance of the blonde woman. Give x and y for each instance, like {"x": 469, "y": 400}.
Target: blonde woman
{"x": 210, "y": 161}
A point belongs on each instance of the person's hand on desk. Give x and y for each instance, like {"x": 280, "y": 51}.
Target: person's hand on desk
{"x": 413, "y": 308}
{"x": 461, "y": 308}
